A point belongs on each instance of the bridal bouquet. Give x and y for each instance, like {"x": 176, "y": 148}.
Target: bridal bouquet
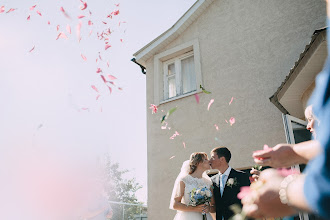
{"x": 200, "y": 196}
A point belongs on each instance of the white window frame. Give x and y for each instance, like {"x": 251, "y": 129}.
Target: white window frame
{"x": 169, "y": 56}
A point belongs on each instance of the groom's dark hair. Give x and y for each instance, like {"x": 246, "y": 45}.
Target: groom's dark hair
{"x": 222, "y": 152}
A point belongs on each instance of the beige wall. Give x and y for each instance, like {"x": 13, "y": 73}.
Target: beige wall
{"x": 247, "y": 49}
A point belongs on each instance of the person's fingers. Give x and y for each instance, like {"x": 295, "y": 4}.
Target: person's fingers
{"x": 254, "y": 176}
{"x": 254, "y": 171}
{"x": 252, "y": 211}
{"x": 263, "y": 162}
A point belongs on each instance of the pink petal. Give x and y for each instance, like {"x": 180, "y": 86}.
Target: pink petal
{"x": 226, "y": 121}
{"x": 2, "y": 9}
{"x": 81, "y": 16}
{"x": 97, "y": 97}
{"x": 84, "y": 6}
{"x": 28, "y": 18}
{"x": 68, "y": 29}
{"x": 84, "y": 58}
{"x": 108, "y": 63}
{"x": 10, "y": 10}
{"x": 58, "y": 27}
{"x": 172, "y": 157}
{"x": 153, "y": 108}
{"x": 164, "y": 126}
{"x": 107, "y": 46}
{"x": 104, "y": 22}
{"x": 210, "y": 103}
{"x": 121, "y": 40}
{"x": 103, "y": 78}
{"x": 39, "y": 13}
{"x": 110, "y": 89}
{"x": 61, "y": 35}
{"x": 197, "y": 98}
{"x": 216, "y": 127}
{"x": 65, "y": 14}
{"x": 85, "y": 108}
{"x": 90, "y": 33}
{"x": 32, "y": 7}
{"x": 117, "y": 5}
{"x": 232, "y": 121}
{"x": 184, "y": 144}
{"x": 111, "y": 77}
{"x": 32, "y": 49}
{"x": 116, "y": 12}
{"x": 232, "y": 98}
{"x": 78, "y": 30}
{"x": 93, "y": 87}
{"x": 90, "y": 23}
{"x": 100, "y": 56}
{"x": 120, "y": 88}
{"x": 98, "y": 70}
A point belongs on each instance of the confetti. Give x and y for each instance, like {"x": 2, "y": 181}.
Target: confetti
{"x": 31, "y": 49}
{"x": 78, "y": 29}
{"x": 90, "y": 23}
{"x": 10, "y": 10}
{"x": 108, "y": 64}
{"x": 184, "y": 144}
{"x": 64, "y": 12}
{"x": 104, "y": 22}
{"x": 111, "y": 77}
{"x": 197, "y": 98}
{"x": 103, "y": 78}
{"x": 210, "y": 103}
{"x": 174, "y": 135}
{"x": 48, "y": 22}
{"x": 232, "y": 121}
{"x": 97, "y": 97}
{"x": 32, "y": 7}
{"x": 232, "y": 98}
{"x": 68, "y": 29}
{"x": 93, "y": 87}
{"x": 29, "y": 17}
{"x": 61, "y": 35}
{"x": 116, "y": 12}
{"x": 172, "y": 157}
{"x": 107, "y": 46}
{"x": 98, "y": 70}
{"x": 58, "y": 27}
{"x": 2, "y": 9}
{"x": 226, "y": 121}
{"x": 216, "y": 127}
{"x": 117, "y": 5}
{"x": 39, "y": 13}
{"x": 110, "y": 89}
{"x": 121, "y": 40}
{"x": 84, "y": 58}
{"x": 153, "y": 108}
{"x": 164, "y": 126}
{"x": 81, "y": 16}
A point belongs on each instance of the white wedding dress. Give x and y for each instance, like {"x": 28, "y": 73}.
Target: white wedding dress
{"x": 191, "y": 183}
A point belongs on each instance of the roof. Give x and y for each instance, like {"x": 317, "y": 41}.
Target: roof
{"x": 172, "y": 33}
{"x": 287, "y": 98}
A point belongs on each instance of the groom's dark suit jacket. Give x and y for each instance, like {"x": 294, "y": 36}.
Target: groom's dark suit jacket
{"x": 229, "y": 196}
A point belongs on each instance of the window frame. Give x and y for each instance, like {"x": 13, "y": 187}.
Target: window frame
{"x": 170, "y": 55}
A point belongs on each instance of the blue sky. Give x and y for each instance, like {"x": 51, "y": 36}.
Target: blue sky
{"x": 46, "y": 94}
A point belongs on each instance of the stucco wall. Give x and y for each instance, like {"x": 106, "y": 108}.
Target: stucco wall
{"x": 247, "y": 49}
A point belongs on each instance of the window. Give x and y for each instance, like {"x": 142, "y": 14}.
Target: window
{"x": 179, "y": 76}
{"x": 177, "y": 72}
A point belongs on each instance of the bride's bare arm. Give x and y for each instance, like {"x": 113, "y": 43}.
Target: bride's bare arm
{"x": 212, "y": 205}
{"x": 182, "y": 207}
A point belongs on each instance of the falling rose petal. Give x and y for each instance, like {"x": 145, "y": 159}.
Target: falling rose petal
{"x": 90, "y": 23}
{"x": 100, "y": 56}
{"x": 10, "y": 10}
{"x": 210, "y": 103}
{"x": 58, "y": 27}
{"x": 39, "y": 13}
{"x": 232, "y": 121}
{"x": 29, "y": 17}
{"x": 84, "y": 58}
{"x": 197, "y": 98}
{"x": 85, "y": 108}
{"x": 93, "y": 87}
{"x": 96, "y": 60}
{"x": 232, "y": 98}
{"x": 174, "y": 135}
{"x": 121, "y": 40}
{"x": 97, "y": 97}
{"x": 245, "y": 190}
{"x": 153, "y": 108}
{"x": 48, "y": 22}
{"x": 110, "y": 89}
{"x": 107, "y": 46}
{"x": 226, "y": 121}
{"x": 31, "y": 49}
{"x": 64, "y": 12}
{"x": 117, "y": 5}
{"x": 81, "y": 16}
{"x": 103, "y": 78}
{"x": 116, "y": 12}
{"x": 90, "y": 33}
{"x": 111, "y": 77}
{"x": 172, "y": 157}
{"x": 164, "y": 126}
{"x": 2, "y": 9}
{"x": 216, "y": 127}
{"x": 120, "y": 88}
{"x": 104, "y": 22}
{"x": 78, "y": 29}
{"x": 98, "y": 70}
{"x": 184, "y": 144}
{"x": 61, "y": 35}
{"x": 84, "y": 6}
{"x": 68, "y": 29}
{"x": 90, "y": 13}
{"x": 32, "y": 7}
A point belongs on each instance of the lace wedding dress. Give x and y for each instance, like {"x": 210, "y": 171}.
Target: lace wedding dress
{"x": 191, "y": 183}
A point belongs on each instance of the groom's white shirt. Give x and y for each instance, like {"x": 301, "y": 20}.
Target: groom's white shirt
{"x": 222, "y": 184}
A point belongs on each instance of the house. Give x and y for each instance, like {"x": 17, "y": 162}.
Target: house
{"x": 231, "y": 48}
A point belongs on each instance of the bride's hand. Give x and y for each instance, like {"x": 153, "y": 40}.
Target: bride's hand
{"x": 201, "y": 208}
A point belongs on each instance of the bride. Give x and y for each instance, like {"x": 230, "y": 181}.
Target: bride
{"x": 192, "y": 176}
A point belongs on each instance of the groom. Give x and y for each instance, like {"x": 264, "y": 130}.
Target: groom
{"x": 227, "y": 183}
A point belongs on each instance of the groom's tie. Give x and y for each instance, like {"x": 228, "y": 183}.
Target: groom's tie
{"x": 222, "y": 183}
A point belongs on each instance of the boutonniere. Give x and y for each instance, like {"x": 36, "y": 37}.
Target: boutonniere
{"x": 232, "y": 182}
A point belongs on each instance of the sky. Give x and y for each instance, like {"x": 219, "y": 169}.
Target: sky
{"x": 51, "y": 98}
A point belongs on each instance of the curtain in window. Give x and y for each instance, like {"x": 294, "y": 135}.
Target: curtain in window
{"x": 188, "y": 75}
{"x": 171, "y": 81}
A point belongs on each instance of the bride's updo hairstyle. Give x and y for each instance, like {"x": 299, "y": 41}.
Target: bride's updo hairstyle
{"x": 195, "y": 159}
